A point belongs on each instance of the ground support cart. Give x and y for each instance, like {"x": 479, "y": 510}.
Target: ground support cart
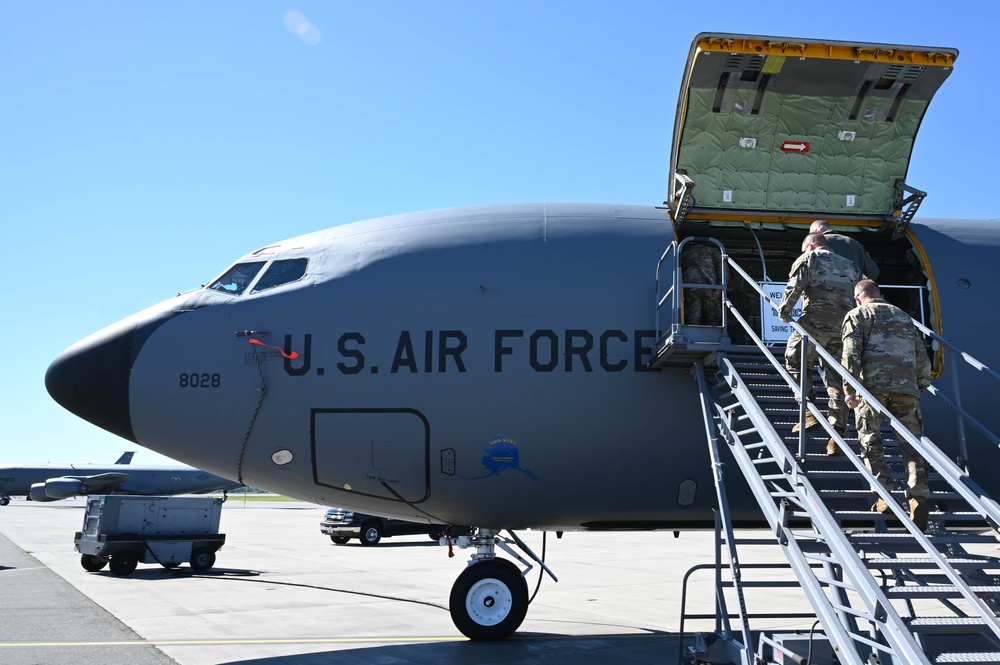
{"x": 124, "y": 531}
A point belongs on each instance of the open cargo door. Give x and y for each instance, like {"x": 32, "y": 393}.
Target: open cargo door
{"x": 772, "y": 129}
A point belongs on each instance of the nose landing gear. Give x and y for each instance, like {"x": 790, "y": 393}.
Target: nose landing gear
{"x": 489, "y": 600}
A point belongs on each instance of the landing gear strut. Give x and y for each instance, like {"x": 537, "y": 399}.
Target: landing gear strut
{"x": 489, "y": 600}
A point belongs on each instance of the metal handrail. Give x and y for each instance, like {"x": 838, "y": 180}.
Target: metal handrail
{"x": 952, "y": 352}
{"x": 673, "y": 254}
{"x": 956, "y": 476}
{"x": 971, "y": 361}
{"x": 723, "y": 522}
{"x": 876, "y": 605}
{"x": 982, "y": 503}
{"x": 826, "y": 524}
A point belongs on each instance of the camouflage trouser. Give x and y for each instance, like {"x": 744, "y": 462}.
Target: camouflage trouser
{"x": 702, "y": 307}
{"x": 906, "y": 408}
{"x": 834, "y": 384}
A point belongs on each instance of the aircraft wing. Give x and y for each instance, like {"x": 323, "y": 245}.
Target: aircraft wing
{"x": 102, "y": 482}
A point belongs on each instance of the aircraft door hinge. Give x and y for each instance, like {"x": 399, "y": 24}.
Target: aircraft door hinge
{"x": 904, "y": 207}
{"x": 681, "y": 199}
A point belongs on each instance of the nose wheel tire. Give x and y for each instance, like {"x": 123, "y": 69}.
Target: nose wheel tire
{"x": 489, "y": 600}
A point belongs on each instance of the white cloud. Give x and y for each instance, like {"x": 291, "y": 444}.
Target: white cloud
{"x": 299, "y": 25}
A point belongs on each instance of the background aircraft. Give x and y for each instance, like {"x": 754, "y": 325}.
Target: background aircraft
{"x": 491, "y": 365}
{"x": 51, "y": 482}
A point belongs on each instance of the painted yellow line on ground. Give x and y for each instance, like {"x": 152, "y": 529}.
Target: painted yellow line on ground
{"x": 304, "y": 640}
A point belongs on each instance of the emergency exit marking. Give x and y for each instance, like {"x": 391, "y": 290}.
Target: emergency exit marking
{"x": 795, "y": 146}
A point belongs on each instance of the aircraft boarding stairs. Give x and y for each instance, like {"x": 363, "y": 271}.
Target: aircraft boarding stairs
{"x": 883, "y": 591}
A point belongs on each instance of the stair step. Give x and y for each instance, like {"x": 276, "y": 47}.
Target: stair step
{"x": 868, "y": 496}
{"x": 818, "y": 474}
{"x": 886, "y": 546}
{"x": 947, "y": 625}
{"x": 968, "y": 657}
{"x": 939, "y": 591}
{"x": 821, "y": 474}
{"x": 948, "y": 517}
{"x": 866, "y": 538}
{"x": 915, "y": 563}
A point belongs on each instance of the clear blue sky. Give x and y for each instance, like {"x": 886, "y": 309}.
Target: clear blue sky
{"x": 144, "y": 146}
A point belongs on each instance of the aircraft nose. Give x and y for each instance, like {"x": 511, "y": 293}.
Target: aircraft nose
{"x": 91, "y": 378}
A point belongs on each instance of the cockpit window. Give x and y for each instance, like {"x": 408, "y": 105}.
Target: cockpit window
{"x": 281, "y": 272}
{"x": 237, "y": 278}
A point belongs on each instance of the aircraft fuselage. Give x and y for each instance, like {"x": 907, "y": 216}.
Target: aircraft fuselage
{"x": 473, "y": 366}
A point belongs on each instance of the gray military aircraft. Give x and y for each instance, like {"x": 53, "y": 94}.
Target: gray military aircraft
{"x": 497, "y": 366}
{"x": 51, "y": 482}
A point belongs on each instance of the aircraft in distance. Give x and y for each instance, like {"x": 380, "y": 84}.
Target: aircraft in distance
{"x": 125, "y": 458}
{"x": 509, "y": 367}
{"x": 51, "y": 482}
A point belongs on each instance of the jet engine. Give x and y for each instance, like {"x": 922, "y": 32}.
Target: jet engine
{"x": 54, "y": 489}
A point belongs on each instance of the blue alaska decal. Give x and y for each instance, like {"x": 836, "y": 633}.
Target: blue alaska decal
{"x": 501, "y": 454}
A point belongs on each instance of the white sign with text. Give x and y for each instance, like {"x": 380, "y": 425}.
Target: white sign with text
{"x": 773, "y": 330}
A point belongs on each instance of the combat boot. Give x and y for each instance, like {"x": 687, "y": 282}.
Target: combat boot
{"x": 881, "y": 507}
{"x": 831, "y": 445}
{"x": 919, "y": 512}
{"x": 811, "y": 423}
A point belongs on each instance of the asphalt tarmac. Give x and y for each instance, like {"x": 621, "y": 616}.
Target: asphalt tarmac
{"x": 282, "y": 594}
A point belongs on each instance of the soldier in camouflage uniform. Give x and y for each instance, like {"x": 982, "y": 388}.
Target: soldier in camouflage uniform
{"x": 883, "y": 350}
{"x": 701, "y": 263}
{"x": 847, "y": 247}
{"x": 825, "y": 281}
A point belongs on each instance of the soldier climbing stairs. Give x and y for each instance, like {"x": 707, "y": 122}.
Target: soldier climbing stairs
{"x": 882, "y": 590}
